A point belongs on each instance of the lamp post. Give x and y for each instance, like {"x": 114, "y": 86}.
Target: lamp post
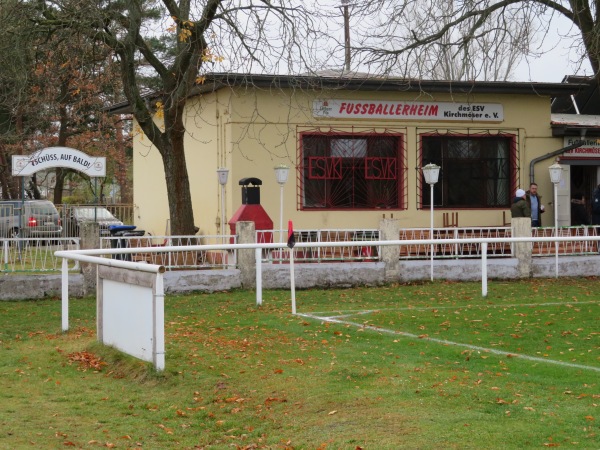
{"x": 556, "y": 177}
{"x": 223, "y": 174}
{"x": 281, "y": 174}
{"x": 431, "y": 172}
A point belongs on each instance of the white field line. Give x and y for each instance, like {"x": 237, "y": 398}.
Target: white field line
{"x": 446, "y": 342}
{"x": 353, "y": 312}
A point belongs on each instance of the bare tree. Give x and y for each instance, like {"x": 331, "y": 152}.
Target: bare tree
{"x": 245, "y": 36}
{"x": 485, "y": 37}
{"x": 502, "y": 42}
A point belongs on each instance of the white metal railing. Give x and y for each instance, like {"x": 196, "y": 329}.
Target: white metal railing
{"x": 177, "y": 258}
{"x": 482, "y": 243}
{"x": 320, "y": 254}
{"x": 575, "y": 246}
{"x": 468, "y": 249}
{"x": 35, "y": 254}
{"x": 464, "y": 248}
{"x": 421, "y": 250}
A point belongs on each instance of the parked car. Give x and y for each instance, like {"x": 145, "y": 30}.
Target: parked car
{"x": 77, "y": 215}
{"x": 29, "y": 219}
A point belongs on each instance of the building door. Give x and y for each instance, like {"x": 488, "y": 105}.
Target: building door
{"x": 584, "y": 179}
{"x": 563, "y": 194}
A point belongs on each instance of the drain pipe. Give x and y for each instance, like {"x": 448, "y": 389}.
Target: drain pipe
{"x": 550, "y": 155}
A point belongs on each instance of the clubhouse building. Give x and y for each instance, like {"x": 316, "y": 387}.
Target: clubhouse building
{"x": 355, "y": 147}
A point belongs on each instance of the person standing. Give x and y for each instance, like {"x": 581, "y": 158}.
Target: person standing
{"x": 596, "y": 206}
{"x": 579, "y": 215}
{"x": 520, "y": 207}
{"x": 535, "y": 204}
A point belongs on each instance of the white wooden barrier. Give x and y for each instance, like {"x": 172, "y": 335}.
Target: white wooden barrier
{"x": 129, "y": 305}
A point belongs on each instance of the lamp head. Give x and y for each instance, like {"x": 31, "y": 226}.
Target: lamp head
{"x": 223, "y": 174}
{"x": 431, "y": 172}
{"x": 555, "y": 173}
{"x": 281, "y": 174}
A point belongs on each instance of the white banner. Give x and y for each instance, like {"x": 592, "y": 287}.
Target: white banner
{"x": 50, "y": 157}
{"x": 426, "y": 111}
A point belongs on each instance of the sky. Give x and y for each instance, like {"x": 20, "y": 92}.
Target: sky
{"x": 554, "y": 64}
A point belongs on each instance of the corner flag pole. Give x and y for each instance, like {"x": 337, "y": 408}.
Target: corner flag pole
{"x": 290, "y": 243}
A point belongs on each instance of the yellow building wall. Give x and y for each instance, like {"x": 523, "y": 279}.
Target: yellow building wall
{"x": 250, "y": 131}
{"x": 205, "y": 152}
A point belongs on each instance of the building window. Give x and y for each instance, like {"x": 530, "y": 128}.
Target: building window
{"x": 351, "y": 171}
{"x": 476, "y": 171}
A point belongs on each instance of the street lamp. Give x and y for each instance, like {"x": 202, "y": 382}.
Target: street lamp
{"x": 281, "y": 174}
{"x": 223, "y": 174}
{"x": 556, "y": 177}
{"x": 431, "y": 172}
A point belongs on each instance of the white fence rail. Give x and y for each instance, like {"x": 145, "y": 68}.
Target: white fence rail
{"x": 35, "y": 254}
{"x": 482, "y": 243}
{"x": 464, "y": 247}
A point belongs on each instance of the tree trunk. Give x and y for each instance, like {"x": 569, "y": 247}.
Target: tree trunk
{"x": 33, "y": 188}
{"x": 178, "y": 187}
{"x": 59, "y": 185}
{"x": 61, "y": 174}
{"x": 9, "y": 185}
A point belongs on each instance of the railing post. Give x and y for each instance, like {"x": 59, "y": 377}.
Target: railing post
{"x": 159, "y": 315}
{"x": 456, "y": 246}
{"x": 389, "y": 230}
{"x": 521, "y": 227}
{"x": 246, "y": 233}
{"x": 90, "y": 239}
{"x": 5, "y": 253}
{"x": 484, "y": 285}
{"x": 65, "y": 294}
{"x": 258, "y": 262}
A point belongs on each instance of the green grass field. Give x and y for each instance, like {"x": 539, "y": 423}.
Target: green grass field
{"x": 428, "y": 366}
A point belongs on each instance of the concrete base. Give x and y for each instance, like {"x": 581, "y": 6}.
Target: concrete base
{"x": 31, "y": 287}
{"x": 183, "y": 281}
{"x": 324, "y": 275}
{"x": 340, "y": 275}
{"x": 457, "y": 270}
{"x": 572, "y": 266}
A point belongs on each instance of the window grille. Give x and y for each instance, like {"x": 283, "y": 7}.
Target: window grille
{"x": 478, "y": 169}
{"x": 355, "y": 169}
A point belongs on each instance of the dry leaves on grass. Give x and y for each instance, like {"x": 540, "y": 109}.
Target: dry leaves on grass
{"x": 86, "y": 361}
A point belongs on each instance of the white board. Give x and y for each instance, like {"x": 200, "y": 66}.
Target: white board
{"x": 130, "y": 313}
